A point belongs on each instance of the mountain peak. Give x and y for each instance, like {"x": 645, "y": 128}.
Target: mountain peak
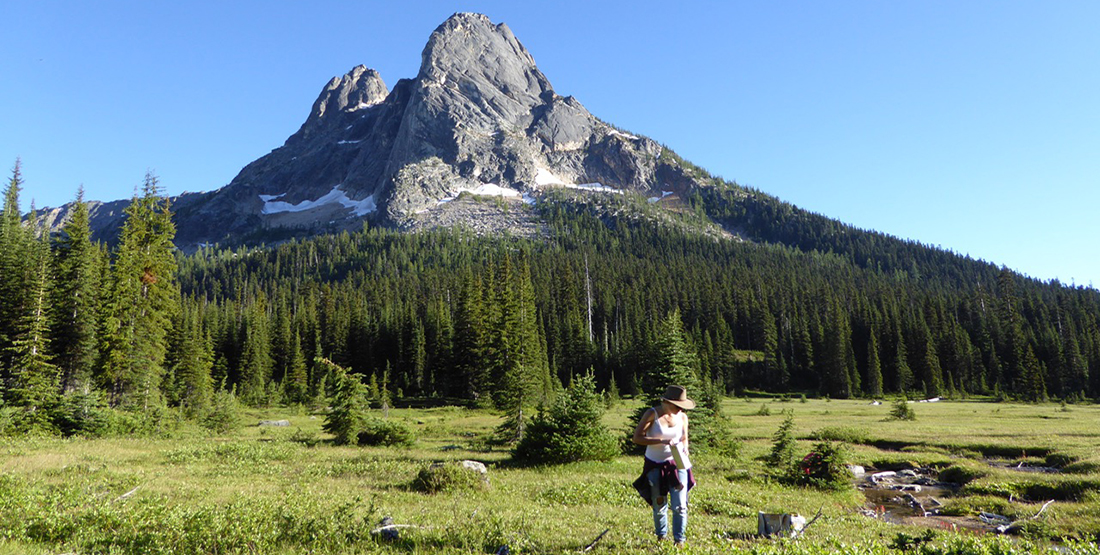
{"x": 359, "y": 88}
{"x": 468, "y": 49}
{"x": 479, "y": 116}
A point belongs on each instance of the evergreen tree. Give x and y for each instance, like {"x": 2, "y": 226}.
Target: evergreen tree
{"x": 256, "y": 363}
{"x": 35, "y": 376}
{"x": 834, "y": 358}
{"x": 77, "y": 265}
{"x": 903, "y": 375}
{"x": 570, "y": 430}
{"x": 192, "y": 369}
{"x": 674, "y": 362}
{"x": 296, "y": 383}
{"x": 469, "y": 378}
{"x": 349, "y": 405}
{"x": 928, "y": 363}
{"x": 16, "y": 274}
{"x": 873, "y": 387}
{"x": 1032, "y": 380}
{"x": 141, "y": 299}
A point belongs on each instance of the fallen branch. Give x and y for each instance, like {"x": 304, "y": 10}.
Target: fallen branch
{"x": 589, "y": 547}
{"x": 126, "y": 495}
{"x": 381, "y": 529}
{"x": 1004, "y": 529}
{"x": 813, "y": 520}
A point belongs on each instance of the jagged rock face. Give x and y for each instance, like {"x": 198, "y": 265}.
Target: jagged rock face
{"x": 479, "y": 112}
{"x": 361, "y": 88}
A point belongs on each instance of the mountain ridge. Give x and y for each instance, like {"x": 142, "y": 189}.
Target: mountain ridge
{"x": 478, "y": 113}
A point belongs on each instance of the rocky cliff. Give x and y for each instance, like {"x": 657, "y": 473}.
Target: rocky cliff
{"x": 478, "y": 117}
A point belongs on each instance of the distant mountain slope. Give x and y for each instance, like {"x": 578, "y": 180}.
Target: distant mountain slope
{"x": 479, "y": 116}
{"x": 480, "y": 119}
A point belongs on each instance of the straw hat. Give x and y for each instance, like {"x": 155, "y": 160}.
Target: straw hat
{"x": 677, "y": 395}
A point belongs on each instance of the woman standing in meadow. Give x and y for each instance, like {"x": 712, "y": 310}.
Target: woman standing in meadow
{"x": 666, "y": 473}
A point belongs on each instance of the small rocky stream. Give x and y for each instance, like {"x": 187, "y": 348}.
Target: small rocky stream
{"x": 916, "y": 497}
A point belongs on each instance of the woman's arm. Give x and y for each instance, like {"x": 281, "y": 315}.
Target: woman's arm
{"x": 643, "y": 428}
{"x": 685, "y": 438}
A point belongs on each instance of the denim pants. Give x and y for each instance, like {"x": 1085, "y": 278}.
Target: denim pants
{"x": 679, "y": 501}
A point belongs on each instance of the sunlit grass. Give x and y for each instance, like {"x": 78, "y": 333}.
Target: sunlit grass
{"x": 266, "y": 489}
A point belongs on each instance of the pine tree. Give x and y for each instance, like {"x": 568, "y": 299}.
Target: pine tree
{"x": 349, "y": 405}
{"x": 928, "y": 363}
{"x": 36, "y": 385}
{"x": 192, "y": 370}
{"x": 296, "y": 383}
{"x": 141, "y": 299}
{"x": 902, "y": 372}
{"x": 674, "y": 362}
{"x": 873, "y": 387}
{"x": 469, "y": 380}
{"x": 834, "y": 357}
{"x": 1032, "y": 380}
{"x": 16, "y": 273}
{"x": 256, "y": 363}
{"x": 522, "y": 369}
{"x": 77, "y": 265}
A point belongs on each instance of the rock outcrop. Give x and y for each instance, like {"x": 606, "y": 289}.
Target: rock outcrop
{"x": 478, "y": 114}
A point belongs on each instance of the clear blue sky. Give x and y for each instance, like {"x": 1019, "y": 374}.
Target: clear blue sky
{"x": 973, "y": 125}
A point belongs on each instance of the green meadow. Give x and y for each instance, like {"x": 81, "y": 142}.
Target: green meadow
{"x": 289, "y": 490}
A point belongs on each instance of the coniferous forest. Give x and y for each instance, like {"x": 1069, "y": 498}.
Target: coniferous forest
{"x": 809, "y": 306}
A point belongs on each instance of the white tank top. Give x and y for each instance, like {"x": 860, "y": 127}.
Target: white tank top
{"x": 661, "y": 452}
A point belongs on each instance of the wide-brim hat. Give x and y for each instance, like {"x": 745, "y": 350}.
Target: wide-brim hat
{"x": 677, "y": 395}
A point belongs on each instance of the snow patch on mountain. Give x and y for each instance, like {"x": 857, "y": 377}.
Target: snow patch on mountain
{"x": 544, "y": 176}
{"x": 624, "y": 135}
{"x": 663, "y": 195}
{"x": 484, "y": 190}
{"x": 335, "y": 196}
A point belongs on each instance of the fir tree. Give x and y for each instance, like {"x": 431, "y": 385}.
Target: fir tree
{"x": 16, "y": 273}
{"x": 256, "y": 363}
{"x": 36, "y": 385}
{"x": 192, "y": 370}
{"x": 674, "y": 362}
{"x": 873, "y": 387}
{"x": 296, "y": 383}
{"x": 141, "y": 299}
{"x": 349, "y": 405}
{"x": 77, "y": 267}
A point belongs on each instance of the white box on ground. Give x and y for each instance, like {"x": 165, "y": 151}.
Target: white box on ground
{"x": 784, "y": 523}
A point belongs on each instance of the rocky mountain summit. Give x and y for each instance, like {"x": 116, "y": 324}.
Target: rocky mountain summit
{"x": 479, "y": 117}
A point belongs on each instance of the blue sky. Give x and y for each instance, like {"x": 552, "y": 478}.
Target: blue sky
{"x": 974, "y": 126}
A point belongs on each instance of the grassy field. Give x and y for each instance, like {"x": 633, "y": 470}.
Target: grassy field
{"x": 286, "y": 490}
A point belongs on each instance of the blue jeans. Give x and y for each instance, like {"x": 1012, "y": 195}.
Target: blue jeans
{"x": 679, "y": 501}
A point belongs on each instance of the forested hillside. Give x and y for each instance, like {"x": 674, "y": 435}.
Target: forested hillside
{"x": 812, "y": 306}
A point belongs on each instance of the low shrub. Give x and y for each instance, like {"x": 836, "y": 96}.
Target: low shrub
{"x": 448, "y": 477}
{"x": 377, "y": 431}
{"x": 1059, "y": 460}
{"x": 902, "y": 411}
{"x": 855, "y": 436}
{"x": 894, "y": 462}
{"x": 1082, "y": 467}
{"x": 309, "y": 439}
{"x": 82, "y": 414}
{"x": 570, "y": 430}
{"x": 963, "y": 473}
{"x": 782, "y": 454}
{"x": 225, "y": 413}
{"x": 825, "y": 467}
{"x": 1059, "y": 490}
